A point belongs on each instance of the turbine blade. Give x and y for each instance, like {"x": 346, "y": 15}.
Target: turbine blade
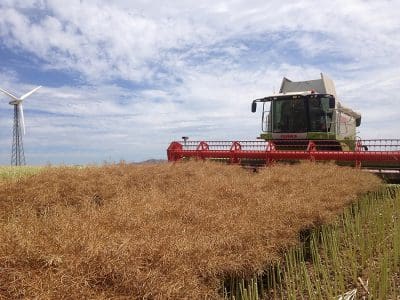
{"x": 9, "y": 94}
{"x": 30, "y": 93}
{"x": 21, "y": 117}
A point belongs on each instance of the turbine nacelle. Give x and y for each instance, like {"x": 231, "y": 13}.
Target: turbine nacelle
{"x": 15, "y": 102}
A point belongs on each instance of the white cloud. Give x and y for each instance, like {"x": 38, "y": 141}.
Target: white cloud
{"x": 154, "y": 71}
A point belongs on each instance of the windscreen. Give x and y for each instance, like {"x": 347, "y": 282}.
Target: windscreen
{"x": 290, "y": 115}
{"x": 319, "y": 113}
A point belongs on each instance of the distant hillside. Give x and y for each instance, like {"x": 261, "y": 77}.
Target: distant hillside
{"x": 152, "y": 161}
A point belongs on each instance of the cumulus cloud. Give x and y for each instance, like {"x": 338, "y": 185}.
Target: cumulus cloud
{"x": 146, "y": 73}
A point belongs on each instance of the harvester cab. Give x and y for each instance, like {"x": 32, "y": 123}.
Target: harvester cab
{"x": 307, "y": 111}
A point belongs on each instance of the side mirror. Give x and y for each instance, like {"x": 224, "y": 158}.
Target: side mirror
{"x": 331, "y": 102}
{"x": 254, "y": 107}
{"x": 358, "y": 121}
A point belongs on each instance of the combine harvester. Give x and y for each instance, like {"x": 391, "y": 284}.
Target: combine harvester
{"x": 305, "y": 121}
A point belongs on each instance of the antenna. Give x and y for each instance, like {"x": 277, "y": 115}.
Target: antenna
{"x": 17, "y": 149}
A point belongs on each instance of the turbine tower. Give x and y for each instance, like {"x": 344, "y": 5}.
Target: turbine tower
{"x": 17, "y": 152}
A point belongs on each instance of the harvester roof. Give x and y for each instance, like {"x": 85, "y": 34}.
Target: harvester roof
{"x": 324, "y": 85}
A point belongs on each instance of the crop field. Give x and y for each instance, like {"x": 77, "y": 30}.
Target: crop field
{"x": 356, "y": 257}
{"x": 17, "y": 172}
{"x": 188, "y": 231}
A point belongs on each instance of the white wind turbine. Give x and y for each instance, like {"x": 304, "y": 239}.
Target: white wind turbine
{"x": 17, "y": 152}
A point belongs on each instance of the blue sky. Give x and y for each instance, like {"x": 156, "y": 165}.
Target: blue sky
{"x": 121, "y": 80}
